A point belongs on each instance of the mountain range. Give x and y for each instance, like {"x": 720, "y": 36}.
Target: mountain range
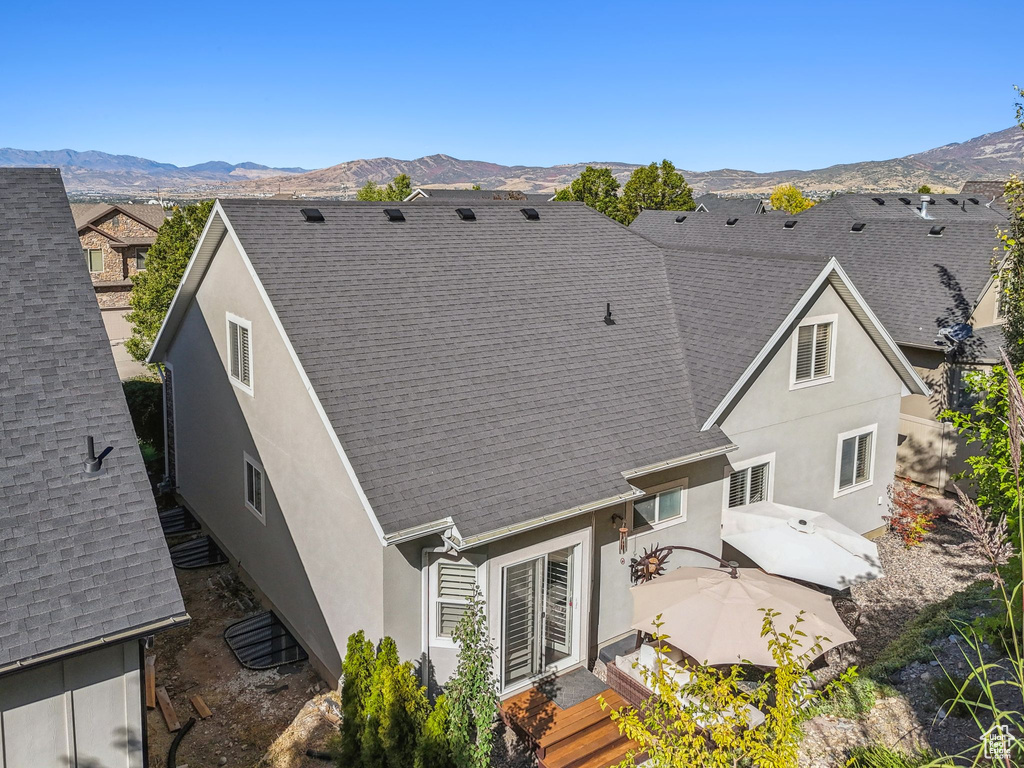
{"x": 97, "y": 174}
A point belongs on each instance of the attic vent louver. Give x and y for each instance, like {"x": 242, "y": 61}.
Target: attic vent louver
{"x": 905, "y": 200}
{"x": 858, "y": 226}
{"x": 879, "y": 200}
{"x": 394, "y": 214}
{"x": 953, "y": 200}
{"x": 311, "y": 214}
{"x": 731, "y": 222}
{"x": 790, "y": 224}
{"x": 973, "y": 200}
{"x": 466, "y": 214}
{"x": 530, "y": 214}
{"x": 680, "y": 219}
{"x": 935, "y": 231}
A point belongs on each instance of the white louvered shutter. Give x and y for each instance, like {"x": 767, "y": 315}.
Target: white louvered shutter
{"x": 244, "y": 363}
{"x": 805, "y": 353}
{"x": 758, "y": 483}
{"x": 455, "y": 585}
{"x": 822, "y": 350}
{"x": 738, "y": 488}
{"x": 863, "y": 457}
{"x": 558, "y": 609}
{"x": 522, "y": 621}
{"x": 233, "y": 351}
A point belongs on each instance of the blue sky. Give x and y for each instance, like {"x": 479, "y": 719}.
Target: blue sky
{"x": 760, "y": 86}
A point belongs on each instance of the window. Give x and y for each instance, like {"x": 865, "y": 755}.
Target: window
{"x": 240, "y": 352}
{"x": 140, "y": 260}
{"x": 94, "y": 258}
{"x": 254, "y": 488}
{"x": 661, "y": 507}
{"x": 856, "y": 456}
{"x": 749, "y": 482}
{"x": 813, "y": 350}
{"x": 456, "y": 581}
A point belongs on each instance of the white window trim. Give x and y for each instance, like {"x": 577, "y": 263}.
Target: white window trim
{"x": 793, "y": 383}
{"x": 768, "y": 458}
{"x": 247, "y": 324}
{"x": 655, "y": 491}
{"x": 873, "y": 429}
{"x": 261, "y": 516}
{"x": 437, "y": 640}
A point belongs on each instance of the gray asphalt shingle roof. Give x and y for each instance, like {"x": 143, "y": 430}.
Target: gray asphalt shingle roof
{"x": 915, "y": 283}
{"x": 80, "y": 557}
{"x": 864, "y": 207}
{"x": 472, "y": 195}
{"x": 465, "y": 365}
{"x": 733, "y": 206}
{"x": 152, "y": 215}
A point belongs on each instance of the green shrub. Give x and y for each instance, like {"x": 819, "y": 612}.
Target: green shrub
{"x": 884, "y": 757}
{"x": 854, "y": 699}
{"x": 968, "y": 695}
{"x": 434, "y": 749}
{"x": 146, "y": 404}
{"x": 935, "y": 621}
{"x": 357, "y": 669}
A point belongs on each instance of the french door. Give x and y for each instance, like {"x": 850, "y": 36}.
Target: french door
{"x": 539, "y": 614}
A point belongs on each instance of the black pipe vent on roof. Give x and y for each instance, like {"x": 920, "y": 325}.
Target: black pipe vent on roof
{"x": 953, "y": 200}
{"x": 790, "y": 224}
{"x": 731, "y": 222}
{"x": 311, "y": 214}
{"x": 680, "y": 219}
{"x": 858, "y": 226}
{"x": 394, "y": 214}
{"x": 530, "y": 214}
{"x": 935, "y": 231}
{"x": 879, "y": 200}
{"x": 905, "y": 200}
{"x": 973, "y": 200}
{"x": 466, "y": 214}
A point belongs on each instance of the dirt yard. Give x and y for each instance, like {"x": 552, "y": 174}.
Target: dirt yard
{"x": 253, "y": 712}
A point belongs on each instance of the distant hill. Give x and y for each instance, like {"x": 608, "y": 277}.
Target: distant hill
{"x": 100, "y": 173}
{"x": 991, "y": 156}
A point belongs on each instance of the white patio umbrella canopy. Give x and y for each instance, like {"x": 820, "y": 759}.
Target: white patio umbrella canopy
{"x": 716, "y": 618}
{"x": 802, "y": 544}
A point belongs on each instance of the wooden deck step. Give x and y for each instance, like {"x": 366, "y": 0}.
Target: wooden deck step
{"x": 610, "y": 755}
{"x": 579, "y": 719}
{"x": 576, "y": 752}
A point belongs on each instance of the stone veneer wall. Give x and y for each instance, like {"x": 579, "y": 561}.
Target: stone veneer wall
{"x": 117, "y": 264}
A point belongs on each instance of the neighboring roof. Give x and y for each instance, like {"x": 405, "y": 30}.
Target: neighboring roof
{"x": 915, "y": 282}
{"x": 990, "y": 190}
{"x": 87, "y": 213}
{"x": 81, "y": 557}
{"x": 733, "y": 206}
{"x": 472, "y": 195}
{"x": 865, "y": 207}
{"x": 464, "y": 365}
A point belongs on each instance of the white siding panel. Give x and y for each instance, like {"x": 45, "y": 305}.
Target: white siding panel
{"x": 36, "y": 719}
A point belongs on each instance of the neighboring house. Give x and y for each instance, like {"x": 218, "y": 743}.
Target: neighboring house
{"x": 915, "y": 207}
{"x": 732, "y": 206}
{"x": 375, "y": 409}
{"x": 472, "y": 195}
{"x": 994, "y": 191}
{"x": 920, "y": 276}
{"x": 84, "y": 570}
{"x": 115, "y": 239}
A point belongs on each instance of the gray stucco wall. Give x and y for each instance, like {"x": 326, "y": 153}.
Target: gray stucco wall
{"x": 80, "y": 712}
{"x": 802, "y": 426}
{"x": 316, "y": 558}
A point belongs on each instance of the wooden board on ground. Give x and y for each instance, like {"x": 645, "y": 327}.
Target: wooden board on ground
{"x": 167, "y": 710}
{"x": 151, "y": 682}
{"x": 200, "y": 705}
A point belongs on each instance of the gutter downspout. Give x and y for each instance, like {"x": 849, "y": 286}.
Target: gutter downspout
{"x": 425, "y": 553}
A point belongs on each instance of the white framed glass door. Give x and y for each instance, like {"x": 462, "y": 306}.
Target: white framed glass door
{"x": 539, "y": 615}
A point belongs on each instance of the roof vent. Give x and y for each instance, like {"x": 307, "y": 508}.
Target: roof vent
{"x": 953, "y": 200}
{"x": 608, "y": 314}
{"x": 466, "y": 214}
{"x": 935, "y": 231}
{"x": 731, "y": 222}
{"x": 973, "y": 200}
{"x": 858, "y": 226}
{"x": 94, "y": 463}
{"x": 311, "y": 214}
{"x": 394, "y": 214}
{"x": 879, "y": 200}
{"x": 530, "y": 213}
{"x": 680, "y": 219}
{"x": 905, "y": 200}
{"x": 790, "y": 224}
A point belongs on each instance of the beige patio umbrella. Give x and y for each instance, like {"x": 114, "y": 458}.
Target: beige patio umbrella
{"x": 716, "y": 618}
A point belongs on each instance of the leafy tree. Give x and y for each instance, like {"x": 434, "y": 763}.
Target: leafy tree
{"x": 434, "y": 750}
{"x": 357, "y": 670}
{"x": 153, "y": 288}
{"x": 373, "y": 750}
{"x": 597, "y": 188}
{"x": 788, "y": 198}
{"x": 146, "y": 404}
{"x": 472, "y": 692}
{"x": 924, "y": 189}
{"x": 396, "y": 190}
{"x": 705, "y": 721}
{"x": 475, "y": 186}
{"x": 1011, "y": 271}
{"x": 654, "y": 187}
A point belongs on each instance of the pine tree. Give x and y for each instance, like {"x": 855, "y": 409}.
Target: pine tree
{"x": 357, "y": 670}
{"x": 403, "y": 715}
{"x": 372, "y": 748}
{"x": 434, "y": 749}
